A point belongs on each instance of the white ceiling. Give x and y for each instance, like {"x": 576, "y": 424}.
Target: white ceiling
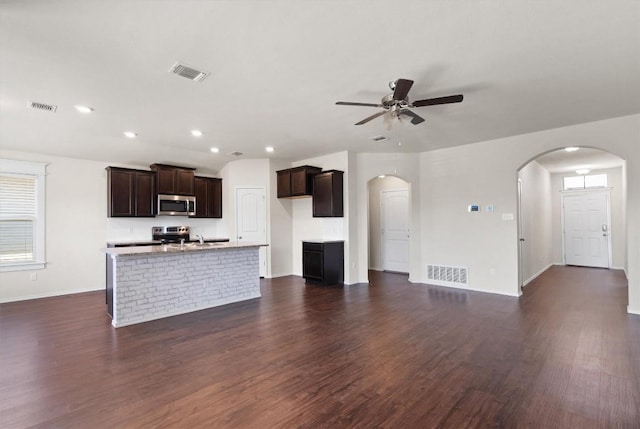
{"x": 278, "y": 67}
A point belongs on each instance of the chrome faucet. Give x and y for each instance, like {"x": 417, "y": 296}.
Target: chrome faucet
{"x": 181, "y": 243}
{"x": 200, "y": 238}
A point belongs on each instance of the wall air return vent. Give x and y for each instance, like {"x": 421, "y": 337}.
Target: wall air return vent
{"x": 189, "y": 72}
{"x": 442, "y": 275}
{"x": 42, "y": 106}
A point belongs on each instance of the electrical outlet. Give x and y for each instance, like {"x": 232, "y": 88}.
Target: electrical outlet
{"x": 33, "y": 276}
{"x": 492, "y": 272}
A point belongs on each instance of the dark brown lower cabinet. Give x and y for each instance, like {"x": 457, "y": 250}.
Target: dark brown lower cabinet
{"x": 323, "y": 262}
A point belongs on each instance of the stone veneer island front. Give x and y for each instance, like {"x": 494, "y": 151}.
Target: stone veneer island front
{"x": 154, "y": 282}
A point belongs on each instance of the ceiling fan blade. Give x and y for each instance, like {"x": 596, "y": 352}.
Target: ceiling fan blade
{"x": 349, "y": 103}
{"x": 367, "y": 119}
{"x": 415, "y": 119}
{"x": 439, "y": 100}
{"x": 402, "y": 89}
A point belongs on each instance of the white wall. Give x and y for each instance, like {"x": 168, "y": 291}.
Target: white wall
{"x": 407, "y": 167}
{"x": 376, "y": 186}
{"x": 306, "y": 227}
{"x": 485, "y": 173}
{"x": 617, "y": 228}
{"x": 281, "y": 211}
{"x": 536, "y": 250}
{"x": 443, "y": 183}
{"x": 76, "y": 212}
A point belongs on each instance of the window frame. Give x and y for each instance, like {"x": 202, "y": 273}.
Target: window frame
{"x": 584, "y": 182}
{"x": 38, "y": 171}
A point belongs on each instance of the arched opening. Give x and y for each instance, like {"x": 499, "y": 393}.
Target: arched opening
{"x": 571, "y": 211}
{"x": 389, "y": 220}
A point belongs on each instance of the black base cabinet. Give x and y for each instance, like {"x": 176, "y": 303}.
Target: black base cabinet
{"x": 323, "y": 262}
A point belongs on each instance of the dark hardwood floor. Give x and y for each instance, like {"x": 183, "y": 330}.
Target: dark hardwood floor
{"x": 388, "y": 355}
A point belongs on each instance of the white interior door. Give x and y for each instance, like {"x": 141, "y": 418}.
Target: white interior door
{"x": 251, "y": 220}
{"x": 394, "y": 220}
{"x": 586, "y": 229}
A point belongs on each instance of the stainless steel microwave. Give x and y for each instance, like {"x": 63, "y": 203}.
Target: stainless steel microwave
{"x": 176, "y": 205}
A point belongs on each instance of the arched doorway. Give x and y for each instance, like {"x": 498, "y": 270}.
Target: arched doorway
{"x": 571, "y": 211}
{"x": 389, "y": 208}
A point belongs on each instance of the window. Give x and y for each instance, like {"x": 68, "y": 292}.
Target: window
{"x": 585, "y": 182}
{"x": 21, "y": 215}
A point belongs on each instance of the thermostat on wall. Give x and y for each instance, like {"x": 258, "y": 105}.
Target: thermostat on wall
{"x": 473, "y": 208}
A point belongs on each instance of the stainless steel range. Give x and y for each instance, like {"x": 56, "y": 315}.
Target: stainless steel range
{"x": 170, "y": 234}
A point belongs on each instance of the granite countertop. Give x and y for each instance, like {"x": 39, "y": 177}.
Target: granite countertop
{"x": 176, "y": 248}
{"x": 158, "y": 242}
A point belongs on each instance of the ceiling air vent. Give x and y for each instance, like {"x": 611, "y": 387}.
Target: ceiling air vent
{"x": 377, "y": 138}
{"x": 189, "y": 72}
{"x": 235, "y": 153}
{"x": 42, "y": 106}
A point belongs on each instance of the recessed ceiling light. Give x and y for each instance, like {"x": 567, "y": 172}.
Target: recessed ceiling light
{"x": 382, "y": 176}
{"x": 83, "y": 109}
{"x": 571, "y": 149}
{"x": 130, "y": 134}
{"x": 196, "y": 133}
{"x": 583, "y": 171}
{"x": 269, "y": 149}
{"x": 214, "y": 150}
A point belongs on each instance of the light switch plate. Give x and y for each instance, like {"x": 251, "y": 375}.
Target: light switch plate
{"x": 507, "y": 216}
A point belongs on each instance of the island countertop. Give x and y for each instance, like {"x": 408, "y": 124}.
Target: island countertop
{"x": 177, "y": 248}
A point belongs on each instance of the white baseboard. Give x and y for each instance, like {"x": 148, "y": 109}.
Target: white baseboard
{"x": 633, "y": 310}
{"x": 47, "y": 295}
{"x": 376, "y": 269}
{"x": 467, "y": 289}
{"x": 533, "y": 277}
{"x": 273, "y": 276}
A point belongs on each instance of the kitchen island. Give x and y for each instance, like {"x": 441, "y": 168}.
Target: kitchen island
{"x": 153, "y": 282}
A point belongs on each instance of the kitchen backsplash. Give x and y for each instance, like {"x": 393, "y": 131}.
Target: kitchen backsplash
{"x": 124, "y": 229}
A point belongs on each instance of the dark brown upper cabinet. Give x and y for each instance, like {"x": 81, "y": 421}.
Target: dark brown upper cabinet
{"x": 296, "y": 182}
{"x": 130, "y": 192}
{"x": 327, "y": 194}
{"x": 174, "y": 180}
{"x": 208, "y": 191}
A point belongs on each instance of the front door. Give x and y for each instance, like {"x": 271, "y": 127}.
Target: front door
{"x": 394, "y": 218}
{"x": 251, "y": 220}
{"x": 586, "y": 229}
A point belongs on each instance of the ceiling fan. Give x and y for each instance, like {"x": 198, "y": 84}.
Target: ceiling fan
{"x": 397, "y": 103}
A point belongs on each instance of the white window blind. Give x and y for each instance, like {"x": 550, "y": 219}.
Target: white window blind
{"x": 17, "y": 218}
{"x": 21, "y": 215}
